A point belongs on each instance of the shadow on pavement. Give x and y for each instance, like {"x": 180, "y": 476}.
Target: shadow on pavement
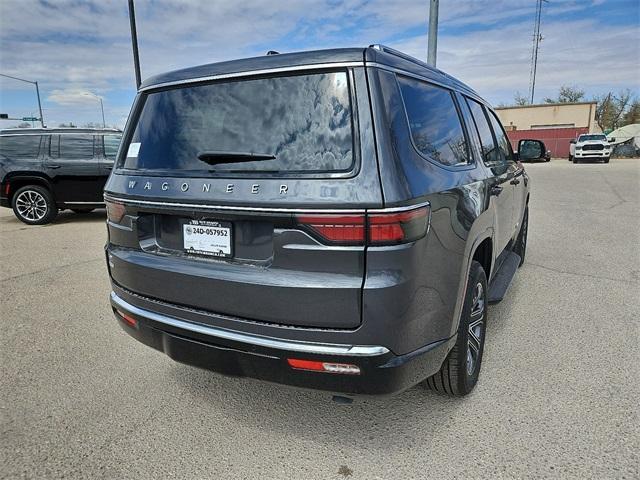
{"x": 308, "y": 415}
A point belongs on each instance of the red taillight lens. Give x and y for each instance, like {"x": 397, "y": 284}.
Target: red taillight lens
{"x": 327, "y": 367}
{"x": 338, "y": 229}
{"x": 374, "y": 228}
{"x": 128, "y": 319}
{"x": 401, "y": 227}
{"x": 115, "y": 211}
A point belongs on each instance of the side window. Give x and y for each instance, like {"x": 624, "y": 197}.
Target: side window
{"x": 434, "y": 122}
{"x": 54, "y": 148}
{"x": 503, "y": 142}
{"x": 20, "y": 146}
{"x": 490, "y": 152}
{"x": 76, "y": 147}
{"x": 111, "y": 144}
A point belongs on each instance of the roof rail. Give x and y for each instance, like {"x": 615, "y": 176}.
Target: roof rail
{"x": 397, "y": 53}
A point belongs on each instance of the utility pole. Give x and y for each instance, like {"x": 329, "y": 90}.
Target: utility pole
{"x": 433, "y": 32}
{"x": 537, "y": 38}
{"x": 134, "y": 43}
{"x": 37, "y": 93}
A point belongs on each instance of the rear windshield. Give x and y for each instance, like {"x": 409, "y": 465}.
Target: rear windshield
{"x": 299, "y": 123}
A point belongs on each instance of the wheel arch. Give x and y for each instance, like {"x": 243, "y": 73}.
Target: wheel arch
{"x": 19, "y": 180}
{"x": 485, "y": 239}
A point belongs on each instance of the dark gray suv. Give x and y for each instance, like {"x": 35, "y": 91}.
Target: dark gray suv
{"x": 335, "y": 220}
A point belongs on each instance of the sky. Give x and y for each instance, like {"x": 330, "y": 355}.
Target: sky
{"x": 80, "y": 50}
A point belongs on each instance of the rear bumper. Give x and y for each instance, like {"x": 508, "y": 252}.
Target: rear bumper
{"x": 265, "y": 358}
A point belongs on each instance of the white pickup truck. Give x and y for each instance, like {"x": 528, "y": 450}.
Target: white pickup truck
{"x": 590, "y": 146}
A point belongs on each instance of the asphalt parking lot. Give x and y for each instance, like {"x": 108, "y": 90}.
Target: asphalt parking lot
{"x": 557, "y": 397}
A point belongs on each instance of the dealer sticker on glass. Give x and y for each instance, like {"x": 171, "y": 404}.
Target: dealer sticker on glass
{"x": 207, "y": 238}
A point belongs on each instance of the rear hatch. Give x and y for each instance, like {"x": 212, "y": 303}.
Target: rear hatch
{"x": 245, "y": 197}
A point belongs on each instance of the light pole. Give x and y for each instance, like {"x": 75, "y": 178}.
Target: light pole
{"x": 37, "y": 93}
{"x": 101, "y": 105}
{"x": 432, "y": 47}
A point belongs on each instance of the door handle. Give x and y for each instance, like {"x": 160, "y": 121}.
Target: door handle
{"x": 515, "y": 181}
{"x": 53, "y": 166}
{"x": 495, "y": 190}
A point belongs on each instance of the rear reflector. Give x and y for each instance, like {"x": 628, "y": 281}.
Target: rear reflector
{"x": 128, "y": 319}
{"x": 327, "y": 367}
{"x": 115, "y": 211}
{"x": 372, "y": 228}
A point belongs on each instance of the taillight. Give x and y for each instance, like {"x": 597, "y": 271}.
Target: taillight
{"x": 115, "y": 211}
{"x": 373, "y": 228}
{"x": 336, "y": 229}
{"x": 400, "y": 227}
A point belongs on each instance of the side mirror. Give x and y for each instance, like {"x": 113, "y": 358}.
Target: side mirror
{"x": 573, "y": 141}
{"x": 531, "y": 150}
{"x": 612, "y": 139}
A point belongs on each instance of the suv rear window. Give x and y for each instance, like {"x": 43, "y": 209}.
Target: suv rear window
{"x": 20, "y": 146}
{"x": 304, "y": 121}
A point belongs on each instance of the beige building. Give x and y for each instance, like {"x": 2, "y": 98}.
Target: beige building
{"x": 550, "y": 116}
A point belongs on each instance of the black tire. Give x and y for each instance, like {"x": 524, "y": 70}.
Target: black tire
{"x": 575, "y": 160}
{"x": 606, "y": 160}
{"x": 459, "y": 372}
{"x": 34, "y": 205}
{"x": 82, "y": 210}
{"x": 520, "y": 247}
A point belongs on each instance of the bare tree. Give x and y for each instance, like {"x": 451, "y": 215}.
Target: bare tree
{"x": 520, "y": 99}
{"x": 614, "y": 111}
{"x": 567, "y": 94}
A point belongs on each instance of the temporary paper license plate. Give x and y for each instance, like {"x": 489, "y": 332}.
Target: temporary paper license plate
{"x": 207, "y": 238}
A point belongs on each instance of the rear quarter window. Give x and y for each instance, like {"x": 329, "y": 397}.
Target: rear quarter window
{"x": 20, "y": 146}
{"x": 434, "y": 122}
{"x": 304, "y": 121}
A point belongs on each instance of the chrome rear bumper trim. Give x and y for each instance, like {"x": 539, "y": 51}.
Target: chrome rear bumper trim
{"x": 257, "y": 340}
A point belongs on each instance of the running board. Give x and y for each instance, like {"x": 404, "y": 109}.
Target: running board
{"x": 501, "y": 281}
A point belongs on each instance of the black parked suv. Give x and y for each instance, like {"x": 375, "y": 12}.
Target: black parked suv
{"x": 44, "y": 170}
{"x": 335, "y": 220}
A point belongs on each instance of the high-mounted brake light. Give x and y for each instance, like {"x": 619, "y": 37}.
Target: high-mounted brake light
{"x": 326, "y": 367}
{"x": 373, "y": 228}
{"x": 115, "y": 211}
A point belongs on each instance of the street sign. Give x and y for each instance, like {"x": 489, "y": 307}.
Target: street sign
{"x": 30, "y": 119}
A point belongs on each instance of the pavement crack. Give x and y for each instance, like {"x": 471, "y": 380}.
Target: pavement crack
{"x": 22, "y": 275}
{"x": 586, "y": 275}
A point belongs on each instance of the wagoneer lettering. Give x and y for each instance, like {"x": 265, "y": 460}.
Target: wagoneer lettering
{"x": 336, "y": 220}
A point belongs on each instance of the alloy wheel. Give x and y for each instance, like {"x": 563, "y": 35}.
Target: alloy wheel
{"x": 31, "y": 205}
{"x": 476, "y": 329}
